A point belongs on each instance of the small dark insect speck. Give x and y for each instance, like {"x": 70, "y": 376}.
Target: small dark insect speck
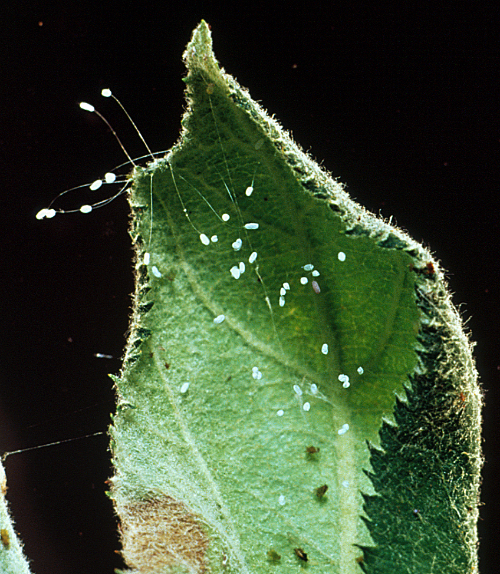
{"x": 321, "y": 490}
{"x": 300, "y": 554}
{"x": 167, "y": 365}
{"x": 312, "y": 450}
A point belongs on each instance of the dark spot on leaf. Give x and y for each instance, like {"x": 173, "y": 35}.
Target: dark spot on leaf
{"x": 300, "y": 554}
{"x": 321, "y": 490}
{"x": 145, "y": 307}
{"x": 429, "y": 268}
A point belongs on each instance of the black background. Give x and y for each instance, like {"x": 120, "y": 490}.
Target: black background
{"x": 402, "y": 104}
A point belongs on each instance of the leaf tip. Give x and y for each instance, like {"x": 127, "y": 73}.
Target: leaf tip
{"x": 199, "y": 52}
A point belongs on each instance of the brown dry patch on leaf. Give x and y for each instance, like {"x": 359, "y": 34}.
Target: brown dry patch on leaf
{"x": 159, "y": 534}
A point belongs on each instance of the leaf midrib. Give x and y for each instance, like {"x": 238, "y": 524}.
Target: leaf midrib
{"x": 344, "y": 448}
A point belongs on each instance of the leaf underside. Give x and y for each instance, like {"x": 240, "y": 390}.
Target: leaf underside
{"x": 282, "y": 340}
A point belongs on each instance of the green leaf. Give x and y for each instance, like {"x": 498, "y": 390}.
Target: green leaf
{"x": 12, "y": 560}
{"x": 297, "y": 390}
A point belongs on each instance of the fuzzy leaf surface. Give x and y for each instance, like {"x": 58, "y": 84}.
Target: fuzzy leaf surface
{"x": 275, "y": 325}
